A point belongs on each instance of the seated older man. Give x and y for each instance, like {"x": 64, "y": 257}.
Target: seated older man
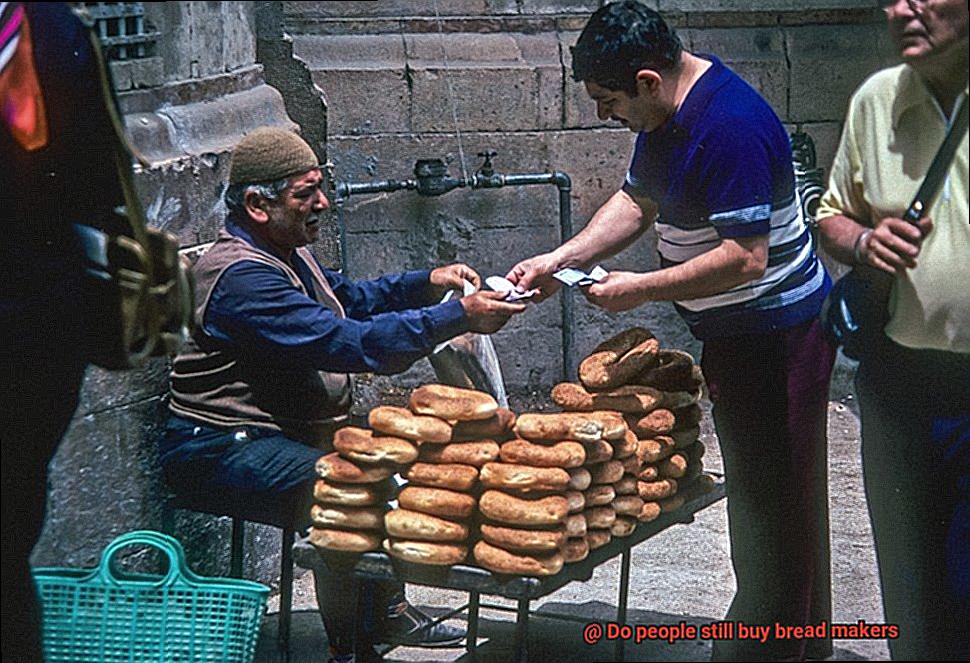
{"x": 262, "y": 385}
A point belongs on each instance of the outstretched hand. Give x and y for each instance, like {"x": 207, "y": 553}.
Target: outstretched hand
{"x": 618, "y": 291}
{"x": 487, "y": 311}
{"x": 536, "y": 272}
{"x": 453, "y": 277}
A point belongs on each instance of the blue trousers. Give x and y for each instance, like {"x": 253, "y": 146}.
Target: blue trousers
{"x": 259, "y": 475}
{"x": 915, "y": 407}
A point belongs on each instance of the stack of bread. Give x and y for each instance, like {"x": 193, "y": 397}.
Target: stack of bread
{"x": 454, "y": 429}
{"x": 657, "y": 391}
{"x": 354, "y": 486}
{"x": 534, "y": 501}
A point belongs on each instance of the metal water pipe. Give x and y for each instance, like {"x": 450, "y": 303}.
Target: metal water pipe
{"x": 431, "y": 179}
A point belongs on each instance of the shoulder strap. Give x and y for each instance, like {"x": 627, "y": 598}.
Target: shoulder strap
{"x": 936, "y": 175}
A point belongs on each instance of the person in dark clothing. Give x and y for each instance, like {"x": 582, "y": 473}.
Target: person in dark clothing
{"x": 55, "y": 139}
{"x": 260, "y": 388}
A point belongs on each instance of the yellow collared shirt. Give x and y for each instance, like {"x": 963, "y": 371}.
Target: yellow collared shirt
{"x": 893, "y": 130}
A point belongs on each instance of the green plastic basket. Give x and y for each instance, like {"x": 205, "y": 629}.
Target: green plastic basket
{"x": 100, "y": 614}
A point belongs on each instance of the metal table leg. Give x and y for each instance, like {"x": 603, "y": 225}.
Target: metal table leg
{"x": 471, "y": 640}
{"x": 286, "y": 595}
{"x": 522, "y": 632}
{"x": 622, "y": 601}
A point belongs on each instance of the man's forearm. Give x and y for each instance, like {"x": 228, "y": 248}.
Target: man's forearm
{"x": 732, "y": 263}
{"x": 614, "y": 226}
{"x": 840, "y": 236}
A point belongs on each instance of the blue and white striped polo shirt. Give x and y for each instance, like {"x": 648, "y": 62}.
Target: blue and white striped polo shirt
{"x": 722, "y": 168}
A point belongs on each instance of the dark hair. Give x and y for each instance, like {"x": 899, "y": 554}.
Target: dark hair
{"x": 619, "y": 40}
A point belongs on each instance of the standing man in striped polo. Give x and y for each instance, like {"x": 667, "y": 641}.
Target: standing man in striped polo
{"x": 712, "y": 172}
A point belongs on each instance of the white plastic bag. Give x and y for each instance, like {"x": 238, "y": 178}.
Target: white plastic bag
{"x": 469, "y": 361}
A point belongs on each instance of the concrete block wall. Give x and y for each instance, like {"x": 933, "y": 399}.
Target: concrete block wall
{"x": 397, "y": 75}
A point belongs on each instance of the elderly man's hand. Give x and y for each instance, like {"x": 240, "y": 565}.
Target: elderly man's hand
{"x": 537, "y": 272}
{"x": 453, "y": 277}
{"x": 619, "y": 291}
{"x": 894, "y": 244}
{"x": 488, "y": 312}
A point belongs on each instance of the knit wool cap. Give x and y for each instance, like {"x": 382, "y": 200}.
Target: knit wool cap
{"x": 268, "y": 154}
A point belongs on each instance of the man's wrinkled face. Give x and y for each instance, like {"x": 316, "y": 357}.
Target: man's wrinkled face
{"x": 637, "y": 113}
{"x": 924, "y": 30}
{"x": 295, "y": 217}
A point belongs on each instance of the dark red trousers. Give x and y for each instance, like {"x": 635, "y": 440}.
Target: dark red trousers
{"x": 770, "y": 396}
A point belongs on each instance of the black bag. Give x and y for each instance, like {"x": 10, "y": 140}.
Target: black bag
{"x": 855, "y": 313}
{"x": 142, "y": 288}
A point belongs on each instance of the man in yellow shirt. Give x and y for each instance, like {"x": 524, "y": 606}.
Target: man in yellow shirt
{"x": 914, "y": 385}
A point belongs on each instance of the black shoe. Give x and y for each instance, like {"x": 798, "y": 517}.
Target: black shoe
{"x": 413, "y": 628}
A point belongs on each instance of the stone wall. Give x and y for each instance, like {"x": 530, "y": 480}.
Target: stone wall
{"x": 399, "y": 77}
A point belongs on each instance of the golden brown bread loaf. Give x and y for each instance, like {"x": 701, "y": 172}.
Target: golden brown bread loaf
{"x": 497, "y": 560}
{"x": 343, "y": 517}
{"x": 597, "y": 452}
{"x": 685, "y": 436}
{"x": 474, "y": 453}
{"x": 523, "y": 478}
{"x": 417, "y": 526}
{"x": 647, "y": 473}
{"x": 437, "y": 501}
{"x": 677, "y": 400}
{"x": 623, "y": 526}
{"x": 426, "y": 552}
{"x": 524, "y": 540}
{"x": 401, "y": 422}
{"x": 659, "y": 422}
{"x": 576, "y": 549}
{"x": 334, "y": 468}
{"x": 619, "y": 359}
{"x": 328, "y": 492}
{"x": 649, "y": 512}
{"x": 504, "y": 508}
{"x": 653, "y": 491}
{"x": 599, "y": 495}
{"x": 627, "y": 485}
{"x": 597, "y": 538}
{"x": 577, "y": 502}
{"x": 627, "y": 505}
{"x": 626, "y": 447}
{"x": 357, "y": 541}
{"x": 636, "y": 399}
{"x": 652, "y": 451}
{"x": 674, "y": 371}
{"x": 599, "y": 517}
{"x": 580, "y": 426}
{"x": 452, "y": 403}
{"x": 631, "y": 465}
{"x": 674, "y": 467}
{"x": 579, "y": 478}
{"x": 575, "y": 525}
{"x": 565, "y": 454}
{"x": 497, "y": 427}
{"x": 360, "y": 445}
{"x": 451, "y": 476}
{"x": 608, "y": 472}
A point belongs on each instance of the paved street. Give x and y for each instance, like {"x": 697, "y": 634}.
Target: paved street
{"x": 682, "y": 574}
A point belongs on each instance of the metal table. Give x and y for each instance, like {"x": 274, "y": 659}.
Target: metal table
{"x": 477, "y": 581}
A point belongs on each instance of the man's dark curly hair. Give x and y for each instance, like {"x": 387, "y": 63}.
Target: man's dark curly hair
{"x": 619, "y": 40}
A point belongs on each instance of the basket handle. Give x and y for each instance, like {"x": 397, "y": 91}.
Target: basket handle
{"x": 163, "y": 542}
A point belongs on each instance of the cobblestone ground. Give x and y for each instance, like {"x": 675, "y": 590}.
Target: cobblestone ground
{"x": 682, "y": 574}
